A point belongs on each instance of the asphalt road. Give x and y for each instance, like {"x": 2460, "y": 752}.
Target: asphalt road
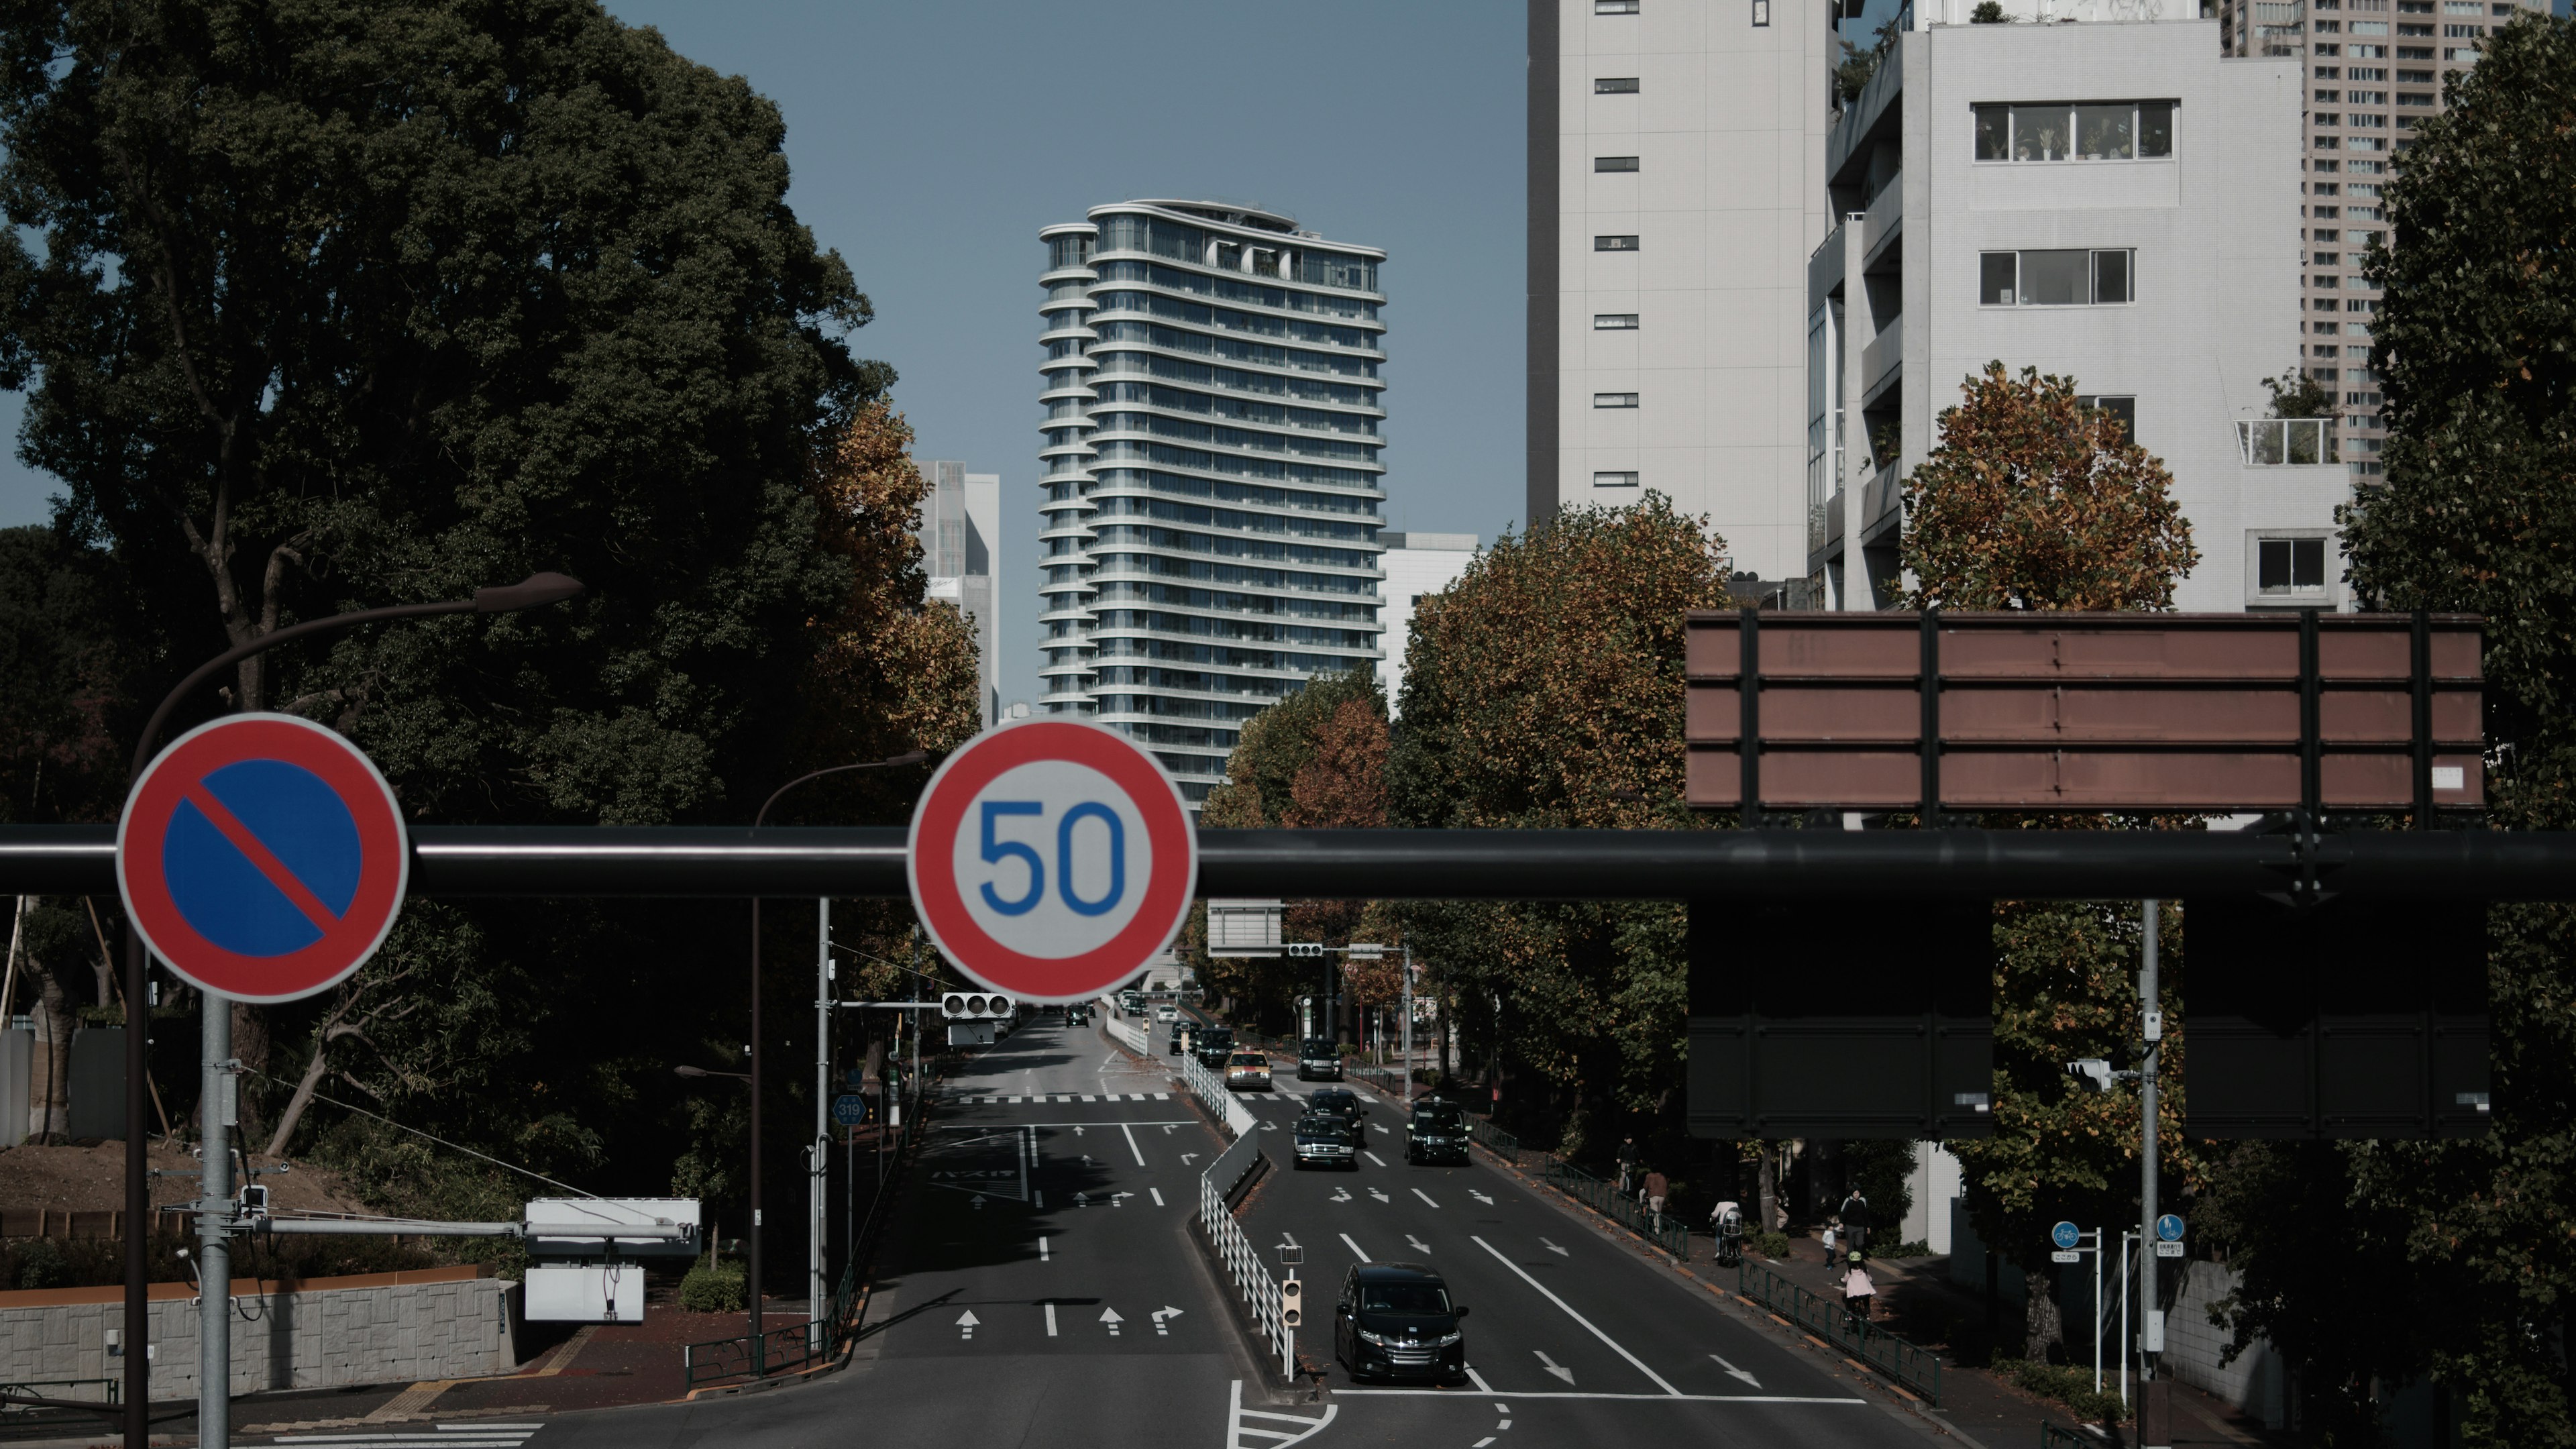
{"x": 1042, "y": 1289}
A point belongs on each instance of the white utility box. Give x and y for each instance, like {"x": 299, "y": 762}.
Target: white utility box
{"x": 585, "y": 1293}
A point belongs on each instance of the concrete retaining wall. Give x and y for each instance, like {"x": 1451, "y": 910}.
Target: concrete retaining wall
{"x": 2254, "y": 1382}
{"x": 439, "y": 1323}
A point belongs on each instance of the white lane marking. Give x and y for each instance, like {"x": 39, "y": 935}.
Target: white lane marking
{"x": 1110, "y": 1317}
{"x": 1426, "y": 1197}
{"x": 1289, "y": 1240}
{"x": 1260, "y": 1438}
{"x": 1131, "y": 1143}
{"x": 1504, "y": 1409}
{"x": 1042, "y": 1249}
{"x": 1475, "y": 1378}
{"x": 1480, "y": 1197}
{"x": 1579, "y": 1318}
{"x": 1050, "y": 1308}
{"x": 1552, "y": 1366}
{"x": 1736, "y": 1373}
{"x": 1037, "y": 1197}
{"x": 1158, "y": 1195}
{"x": 1488, "y": 1439}
{"x": 1355, "y": 1249}
{"x": 1341, "y": 1194}
{"x": 1626, "y": 1398}
{"x": 1553, "y": 1248}
{"x": 1373, "y": 1157}
{"x": 1163, "y": 1317}
{"x": 966, "y": 1322}
{"x": 1416, "y": 1244}
{"x": 1381, "y": 1197}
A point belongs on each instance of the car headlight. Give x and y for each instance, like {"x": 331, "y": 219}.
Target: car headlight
{"x": 1450, "y": 1339}
{"x": 1372, "y": 1338}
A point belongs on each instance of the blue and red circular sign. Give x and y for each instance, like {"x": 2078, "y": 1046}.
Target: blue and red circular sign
{"x": 1051, "y": 860}
{"x": 262, "y": 857}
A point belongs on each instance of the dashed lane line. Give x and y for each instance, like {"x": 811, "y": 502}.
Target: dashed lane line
{"x": 1550, "y": 1295}
{"x": 1355, "y": 1249}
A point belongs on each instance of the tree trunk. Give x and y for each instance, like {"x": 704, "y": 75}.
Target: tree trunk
{"x": 49, "y": 1116}
{"x": 2044, "y": 1326}
{"x": 1767, "y": 1186}
{"x": 303, "y": 1097}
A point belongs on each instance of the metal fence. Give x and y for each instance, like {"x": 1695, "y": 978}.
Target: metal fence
{"x": 1667, "y": 1232}
{"x": 817, "y": 1340}
{"x": 1916, "y": 1368}
{"x": 1241, "y": 1259}
{"x": 1221, "y": 1104}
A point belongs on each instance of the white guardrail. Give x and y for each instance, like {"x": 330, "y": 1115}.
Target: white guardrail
{"x": 1242, "y": 1261}
{"x": 1133, "y": 1038}
{"x": 1221, "y": 1104}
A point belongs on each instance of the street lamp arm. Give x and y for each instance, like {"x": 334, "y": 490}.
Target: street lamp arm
{"x": 909, "y": 757}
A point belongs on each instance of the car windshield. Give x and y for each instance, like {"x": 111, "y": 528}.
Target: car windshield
{"x": 1248, "y": 1059}
{"x": 1403, "y": 1298}
{"x": 1435, "y": 1121}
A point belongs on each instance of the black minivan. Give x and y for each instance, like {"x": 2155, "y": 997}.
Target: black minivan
{"x": 1318, "y": 1060}
{"x": 1395, "y": 1320}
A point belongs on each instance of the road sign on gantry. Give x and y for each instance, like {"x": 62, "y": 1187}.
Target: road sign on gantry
{"x": 1052, "y": 860}
{"x": 262, "y": 857}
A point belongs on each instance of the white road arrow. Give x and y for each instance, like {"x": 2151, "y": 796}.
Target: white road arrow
{"x": 1110, "y": 1316}
{"x": 1188, "y": 1157}
{"x": 1086, "y": 1159}
{"x": 1555, "y": 1368}
{"x": 1419, "y": 1246}
{"x": 1081, "y": 1199}
{"x": 1341, "y": 1194}
{"x": 1163, "y": 1319}
{"x": 1733, "y": 1372}
{"x": 1381, "y": 1197}
{"x": 1553, "y": 1248}
{"x": 1115, "y": 1196}
{"x": 1269, "y": 1126}
{"x": 978, "y": 1202}
{"x": 1078, "y": 1132}
{"x": 966, "y": 1324}
{"x": 1480, "y": 1197}
{"x": 1382, "y": 1130}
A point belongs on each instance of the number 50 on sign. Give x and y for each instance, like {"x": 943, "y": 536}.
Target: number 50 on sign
{"x": 1052, "y": 859}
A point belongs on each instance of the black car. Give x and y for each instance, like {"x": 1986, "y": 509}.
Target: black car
{"x": 1077, "y": 1015}
{"x": 1396, "y": 1320}
{"x": 1339, "y": 1101}
{"x": 1326, "y": 1140}
{"x": 1212, "y": 1045}
{"x": 1437, "y": 1133}
{"x": 1318, "y": 1060}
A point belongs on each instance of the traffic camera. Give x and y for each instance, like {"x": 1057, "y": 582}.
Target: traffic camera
{"x": 975, "y": 1005}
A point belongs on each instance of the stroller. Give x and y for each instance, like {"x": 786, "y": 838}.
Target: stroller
{"x": 1729, "y": 1223}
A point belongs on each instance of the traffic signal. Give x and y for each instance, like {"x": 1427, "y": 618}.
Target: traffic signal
{"x": 1292, "y": 1303}
{"x": 2093, "y": 1072}
{"x": 975, "y": 1005}
{"x": 1306, "y": 948}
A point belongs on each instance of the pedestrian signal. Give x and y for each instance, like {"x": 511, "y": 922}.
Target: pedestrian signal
{"x": 1292, "y": 1303}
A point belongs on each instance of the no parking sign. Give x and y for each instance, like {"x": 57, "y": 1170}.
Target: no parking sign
{"x": 1052, "y": 859}
{"x": 262, "y": 857}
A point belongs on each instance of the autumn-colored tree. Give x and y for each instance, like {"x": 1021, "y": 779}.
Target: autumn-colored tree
{"x": 1544, "y": 689}
{"x": 2030, "y": 501}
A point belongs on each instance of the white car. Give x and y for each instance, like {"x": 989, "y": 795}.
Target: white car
{"x": 1166, "y": 1013}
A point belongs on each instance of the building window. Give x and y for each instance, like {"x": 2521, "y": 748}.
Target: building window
{"x": 1614, "y": 321}
{"x": 1761, "y": 12}
{"x": 2286, "y": 442}
{"x": 1614, "y": 163}
{"x": 1614, "y": 243}
{"x": 1614, "y": 7}
{"x": 1614, "y": 399}
{"x": 1614, "y": 480}
{"x": 2123, "y": 408}
{"x": 2287, "y": 568}
{"x": 2072, "y": 277}
{"x": 2325, "y": 284}
{"x": 2071, "y": 131}
{"x": 1615, "y": 85}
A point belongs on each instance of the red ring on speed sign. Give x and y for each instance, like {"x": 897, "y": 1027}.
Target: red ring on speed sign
{"x": 939, "y": 899}
{"x": 262, "y": 857}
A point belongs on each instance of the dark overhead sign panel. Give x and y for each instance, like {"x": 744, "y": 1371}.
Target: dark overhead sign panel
{"x": 2123, "y": 711}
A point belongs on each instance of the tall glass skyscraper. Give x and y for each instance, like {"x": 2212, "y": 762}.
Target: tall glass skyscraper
{"x": 1212, "y": 484}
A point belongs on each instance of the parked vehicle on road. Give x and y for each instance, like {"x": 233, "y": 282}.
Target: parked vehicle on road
{"x": 1395, "y": 1320}
{"x": 1319, "y": 1060}
{"x": 1247, "y": 1072}
{"x": 1437, "y": 1133}
{"x": 1325, "y": 1140}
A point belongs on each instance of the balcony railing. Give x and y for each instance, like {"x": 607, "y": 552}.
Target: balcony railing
{"x": 2287, "y": 442}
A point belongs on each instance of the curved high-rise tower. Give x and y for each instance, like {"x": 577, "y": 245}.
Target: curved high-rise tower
{"x": 1210, "y": 465}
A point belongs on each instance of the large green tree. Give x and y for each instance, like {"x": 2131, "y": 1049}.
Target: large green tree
{"x": 1544, "y": 689}
{"x": 325, "y": 304}
{"x": 2472, "y": 1244}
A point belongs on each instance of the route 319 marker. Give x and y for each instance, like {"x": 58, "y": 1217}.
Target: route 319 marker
{"x": 1052, "y": 860}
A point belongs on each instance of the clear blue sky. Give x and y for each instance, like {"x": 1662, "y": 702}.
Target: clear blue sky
{"x": 930, "y": 142}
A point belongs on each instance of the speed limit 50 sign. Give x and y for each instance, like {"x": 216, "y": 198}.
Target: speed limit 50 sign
{"x": 1052, "y": 859}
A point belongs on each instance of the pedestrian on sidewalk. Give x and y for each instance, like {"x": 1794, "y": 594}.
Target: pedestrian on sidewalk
{"x": 1855, "y": 1215}
{"x": 1860, "y": 1295}
{"x": 1656, "y": 1190}
{"x": 1627, "y": 1164}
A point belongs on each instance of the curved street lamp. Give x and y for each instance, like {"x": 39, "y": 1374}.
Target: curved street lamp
{"x": 528, "y": 593}
{"x": 759, "y": 1354}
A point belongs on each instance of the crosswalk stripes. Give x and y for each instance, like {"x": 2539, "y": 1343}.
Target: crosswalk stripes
{"x": 443, "y": 1436}
{"x": 1273, "y": 1431}
{"x": 970, "y": 1099}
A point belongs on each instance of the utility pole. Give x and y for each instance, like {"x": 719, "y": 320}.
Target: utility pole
{"x": 1406, "y": 1064}
{"x": 818, "y": 1165}
{"x": 2152, "y": 1420}
{"x": 220, "y": 1092}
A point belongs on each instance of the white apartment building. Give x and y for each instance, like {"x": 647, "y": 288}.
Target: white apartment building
{"x": 2372, "y": 77}
{"x": 1212, "y": 482}
{"x": 961, "y": 541}
{"x": 1676, "y": 187}
{"x": 2109, "y": 199}
{"x": 1416, "y": 564}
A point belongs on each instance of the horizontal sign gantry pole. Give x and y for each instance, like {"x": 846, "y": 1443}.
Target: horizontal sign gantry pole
{"x": 851, "y": 862}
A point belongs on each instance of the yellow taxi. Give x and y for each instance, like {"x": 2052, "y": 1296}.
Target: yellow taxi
{"x": 1247, "y": 1072}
